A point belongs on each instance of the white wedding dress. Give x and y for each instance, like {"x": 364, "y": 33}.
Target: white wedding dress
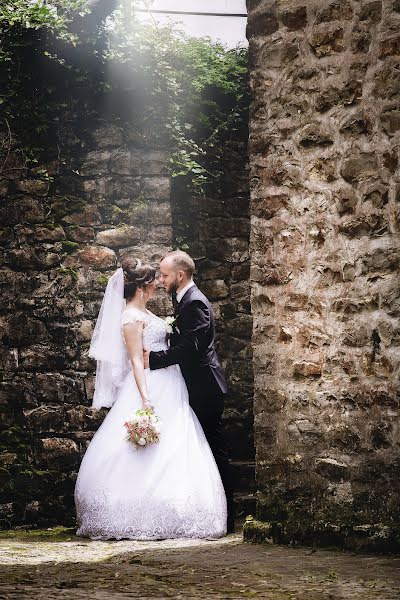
{"x": 167, "y": 490}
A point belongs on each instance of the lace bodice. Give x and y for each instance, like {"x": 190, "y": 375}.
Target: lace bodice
{"x": 154, "y": 330}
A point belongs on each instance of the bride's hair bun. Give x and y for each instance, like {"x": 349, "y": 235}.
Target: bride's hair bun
{"x": 136, "y": 275}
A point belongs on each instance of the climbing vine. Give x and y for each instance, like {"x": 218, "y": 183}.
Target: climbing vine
{"x": 185, "y": 93}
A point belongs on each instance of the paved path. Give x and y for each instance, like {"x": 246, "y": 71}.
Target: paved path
{"x": 42, "y": 567}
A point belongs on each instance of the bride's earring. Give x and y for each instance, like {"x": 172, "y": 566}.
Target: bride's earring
{"x": 141, "y": 294}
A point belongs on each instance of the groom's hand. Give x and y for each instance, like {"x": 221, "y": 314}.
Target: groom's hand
{"x": 146, "y": 358}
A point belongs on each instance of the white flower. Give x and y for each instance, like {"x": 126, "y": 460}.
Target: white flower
{"x": 141, "y": 441}
{"x": 170, "y": 322}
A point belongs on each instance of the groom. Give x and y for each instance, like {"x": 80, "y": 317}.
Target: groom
{"x": 192, "y": 348}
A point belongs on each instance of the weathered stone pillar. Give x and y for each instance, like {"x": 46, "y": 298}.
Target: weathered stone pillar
{"x": 325, "y": 191}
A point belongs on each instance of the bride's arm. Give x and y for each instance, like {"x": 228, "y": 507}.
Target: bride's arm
{"x": 133, "y": 334}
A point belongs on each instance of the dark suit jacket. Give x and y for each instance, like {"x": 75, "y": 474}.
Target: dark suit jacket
{"x": 192, "y": 348}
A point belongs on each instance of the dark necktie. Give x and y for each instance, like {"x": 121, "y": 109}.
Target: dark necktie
{"x": 174, "y": 301}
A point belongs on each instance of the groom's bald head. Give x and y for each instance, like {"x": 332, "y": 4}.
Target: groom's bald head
{"x": 180, "y": 261}
{"x": 176, "y": 270}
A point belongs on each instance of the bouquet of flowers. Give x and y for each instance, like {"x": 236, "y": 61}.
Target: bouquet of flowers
{"x": 143, "y": 429}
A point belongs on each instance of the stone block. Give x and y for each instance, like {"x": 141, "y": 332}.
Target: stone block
{"x": 390, "y": 120}
{"x": 356, "y": 334}
{"x": 239, "y": 291}
{"x": 39, "y": 357}
{"x": 387, "y": 79}
{"x": 346, "y": 200}
{"x": 371, "y": 11}
{"x": 92, "y": 256}
{"x": 327, "y": 40}
{"x": 57, "y": 452}
{"x": 264, "y": 361}
{"x": 293, "y": 17}
{"x": 332, "y": 469}
{"x": 80, "y": 234}
{"x": 138, "y": 162}
{"x": 97, "y": 188}
{"x": 120, "y": 237}
{"x": 231, "y": 250}
{"x": 389, "y": 47}
{"x": 150, "y": 214}
{"x": 360, "y": 39}
{"x": 307, "y": 369}
{"x": 124, "y": 187}
{"x": 267, "y": 399}
{"x": 22, "y": 209}
{"x": 160, "y": 235}
{"x": 45, "y": 418}
{"x": 323, "y": 169}
{"x": 85, "y": 331}
{"x": 350, "y": 93}
{"x": 108, "y": 136}
{"x": 30, "y": 257}
{"x": 156, "y": 188}
{"x": 277, "y": 53}
{"x": 384, "y": 259}
{"x": 23, "y": 330}
{"x": 357, "y": 123}
{"x": 36, "y": 187}
{"x": 356, "y": 167}
{"x": 96, "y": 163}
{"x": 9, "y": 360}
{"x": 270, "y": 274}
{"x": 315, "y": 135}
{"x": 213, "y": 271}
{"x": 390, "y": 162}
{"x": 87, "y": 217}
{"x": 215, "y": 289}
{"x": 366, "y": 224}
{"x": 228, "y": 227}
{"x": 262, "y": 24}
{"x": 83, "y": 417}
{"x": 45, "y": 233}
{"x": 338, "y": 10}
{"x": 269, "y": 207}
{"x": 240, "y": 326}
{"x": 241, "y": 272}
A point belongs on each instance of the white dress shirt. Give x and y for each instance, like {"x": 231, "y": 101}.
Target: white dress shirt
{"x": 183, "y": 291}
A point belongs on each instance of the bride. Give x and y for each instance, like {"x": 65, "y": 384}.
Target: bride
{"x": 171, "y": 489}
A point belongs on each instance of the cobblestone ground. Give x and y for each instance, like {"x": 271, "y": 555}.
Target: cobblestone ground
{"x": 54, "y": 563}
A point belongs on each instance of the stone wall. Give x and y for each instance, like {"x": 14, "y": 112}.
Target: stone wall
{"x": 325, "y": 191}
{"x": 62, "y": 236}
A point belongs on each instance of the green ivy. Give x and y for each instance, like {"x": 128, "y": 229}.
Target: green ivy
{"x": 198, "y": 96}
{"x": 183, "y": 93}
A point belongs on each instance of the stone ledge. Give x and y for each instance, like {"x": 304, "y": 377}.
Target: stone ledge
{"x": 376, "y": 538}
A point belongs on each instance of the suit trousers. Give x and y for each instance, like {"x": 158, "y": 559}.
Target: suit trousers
{"x": 209, "y": 413}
